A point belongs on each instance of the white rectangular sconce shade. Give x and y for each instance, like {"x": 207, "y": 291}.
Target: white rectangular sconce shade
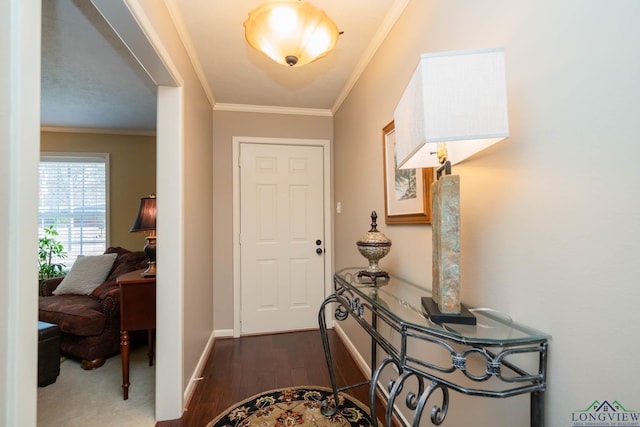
{"x": 457, "y": 97}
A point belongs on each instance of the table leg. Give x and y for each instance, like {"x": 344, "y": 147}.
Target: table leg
{"x": 327, "y": 353}
{"x": 150, "y": 347}
{"x": 124, "y": 352}
{"x": 537, "y": 409}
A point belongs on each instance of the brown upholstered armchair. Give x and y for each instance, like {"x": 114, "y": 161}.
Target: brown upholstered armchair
{"x": 90, "y": 324}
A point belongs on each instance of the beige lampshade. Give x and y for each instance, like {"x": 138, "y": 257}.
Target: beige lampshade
{"x": 291, "y": 32}
{"x": 458, "y": 98}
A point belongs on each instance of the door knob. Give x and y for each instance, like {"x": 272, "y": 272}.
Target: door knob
{"x": 318, "y": 242}
{"x": 319, "y": 251}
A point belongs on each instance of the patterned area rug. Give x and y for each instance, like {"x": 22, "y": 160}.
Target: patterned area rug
{"x": 294, "y": 407}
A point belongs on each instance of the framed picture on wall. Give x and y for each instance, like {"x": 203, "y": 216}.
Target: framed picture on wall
{"x": 407, "y": 192}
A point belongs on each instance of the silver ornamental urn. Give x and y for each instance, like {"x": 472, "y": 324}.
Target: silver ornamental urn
{"x": 373, "y": 246}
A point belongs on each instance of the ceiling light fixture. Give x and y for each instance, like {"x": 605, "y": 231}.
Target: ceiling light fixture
{"x": 291, "y": 32}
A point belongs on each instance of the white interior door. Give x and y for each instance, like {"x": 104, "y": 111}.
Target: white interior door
{"x": 281, "y": 236}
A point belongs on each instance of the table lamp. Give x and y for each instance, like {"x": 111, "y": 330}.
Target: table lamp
{"x": 454, "y": 106}
{"x": 146, "y": 222}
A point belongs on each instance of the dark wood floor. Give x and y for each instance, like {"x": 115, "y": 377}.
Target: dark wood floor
{"x": 242, "y": 367}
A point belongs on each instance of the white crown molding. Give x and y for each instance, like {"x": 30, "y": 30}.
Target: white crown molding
{"x": 144, "y": 43}
{"x": 389, "y": 21}
{"x": 244, "y": 108}
{"x": 134, "y": 132}
{"x": 191, "y": 51}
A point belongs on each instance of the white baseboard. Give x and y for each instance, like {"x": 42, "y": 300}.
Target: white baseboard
{"x": 223, "y": 333}
{"x": 197, "y": 372}
{"x": 353, "y": 351}
{"x": 204, "y": 357}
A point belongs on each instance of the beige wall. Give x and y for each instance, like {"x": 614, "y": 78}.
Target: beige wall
{"x": 198, "y": 228}
{"x": 549, "y": 220}
{"x": 132, "y": 175}
{"x": 226, "y": 126}
{"x": 187, "y": 301}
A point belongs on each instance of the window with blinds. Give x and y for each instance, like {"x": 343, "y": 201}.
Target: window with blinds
{"x": 73, "y": 199}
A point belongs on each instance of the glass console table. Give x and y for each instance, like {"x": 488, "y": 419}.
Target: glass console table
{"x": 495, "y": 358}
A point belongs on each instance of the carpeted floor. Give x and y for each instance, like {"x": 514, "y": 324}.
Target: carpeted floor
{"x": 94, "y": 398}
{"x": 299, "y": 406}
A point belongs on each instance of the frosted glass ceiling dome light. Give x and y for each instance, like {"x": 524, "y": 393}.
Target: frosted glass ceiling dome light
{"x": 291, "y": 32}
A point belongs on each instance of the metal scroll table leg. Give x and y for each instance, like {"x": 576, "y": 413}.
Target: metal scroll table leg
{"x": 326, "y": 410}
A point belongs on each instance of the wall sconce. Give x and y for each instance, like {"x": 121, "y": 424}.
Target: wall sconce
{"x": 146, "y": 222}
{"x": 291, "y": 32}
{"x": 454, "y": 106}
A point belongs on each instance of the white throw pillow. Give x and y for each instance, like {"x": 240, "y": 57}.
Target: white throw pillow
{"x": 87, "y": 273}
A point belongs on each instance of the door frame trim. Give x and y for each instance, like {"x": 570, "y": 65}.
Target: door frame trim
{"x": 328, "y": 218}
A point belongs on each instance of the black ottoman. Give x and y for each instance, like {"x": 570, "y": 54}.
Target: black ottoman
{"x": 48, "y": 353}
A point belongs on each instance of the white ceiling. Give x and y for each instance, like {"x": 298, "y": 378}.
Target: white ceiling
{"x": 89, "y": 78}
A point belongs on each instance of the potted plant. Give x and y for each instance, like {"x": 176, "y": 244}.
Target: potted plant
{"x": 49, "y": 248}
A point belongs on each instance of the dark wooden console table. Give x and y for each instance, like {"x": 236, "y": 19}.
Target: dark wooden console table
{"x": 137, "y": 312}
{"x": 495, "y": 358}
